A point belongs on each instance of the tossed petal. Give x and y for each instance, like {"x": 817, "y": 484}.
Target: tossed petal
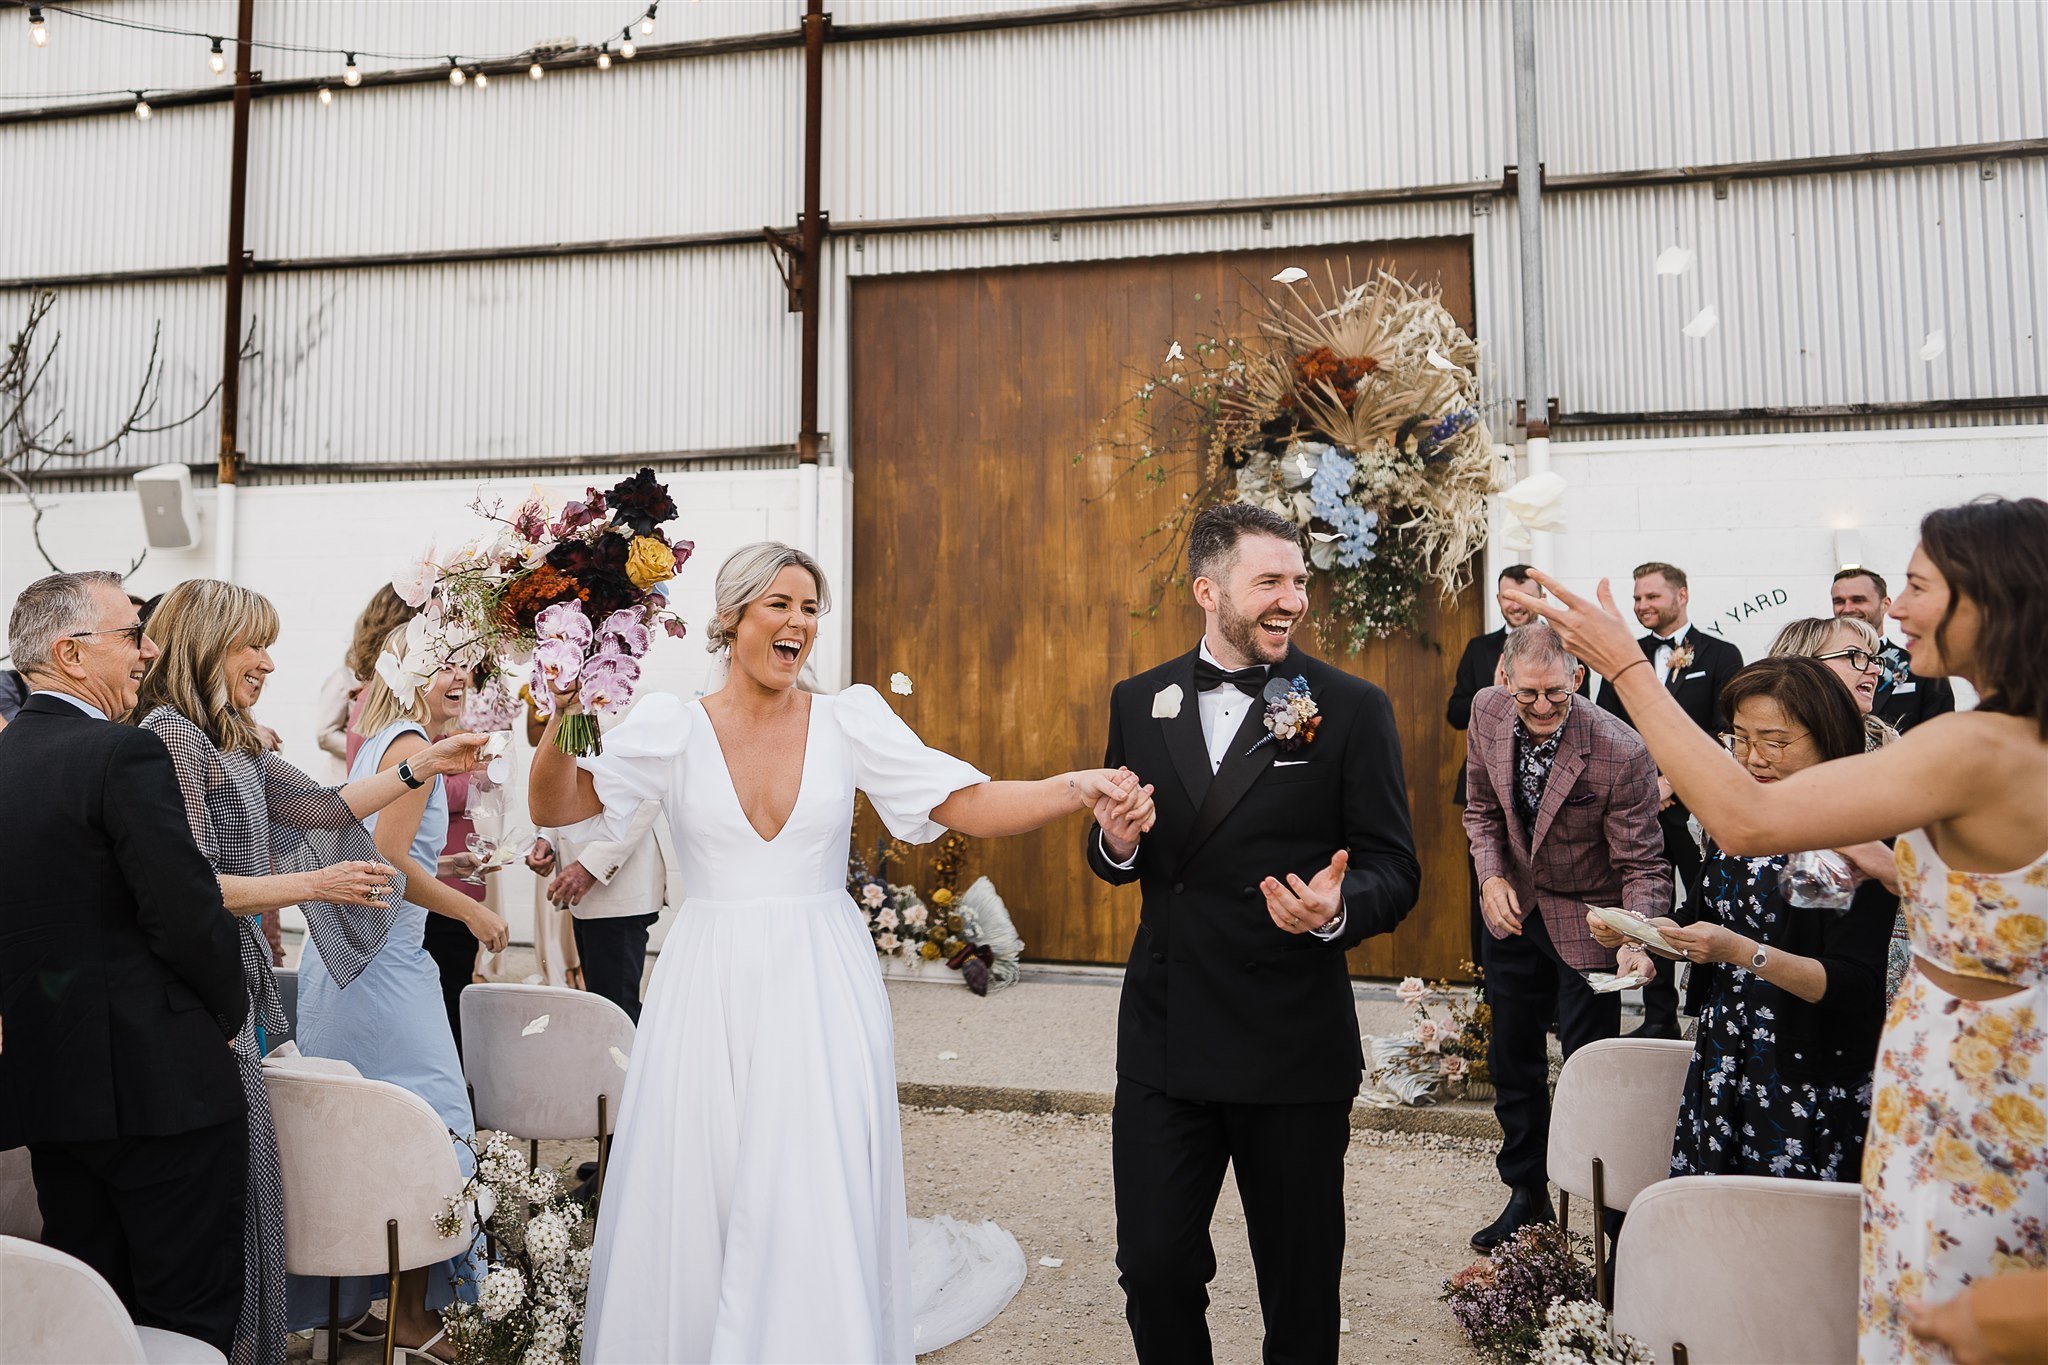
{"x": 1290, "y": 275}
{"x": 1702, "y": 322}
{"x": 1936, "y": 343}
{"x": 539, "y": 1025}
{"x": 1674, "y": 260}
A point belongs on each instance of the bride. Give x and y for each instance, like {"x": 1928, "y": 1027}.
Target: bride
{"x": 753, "y": 1209}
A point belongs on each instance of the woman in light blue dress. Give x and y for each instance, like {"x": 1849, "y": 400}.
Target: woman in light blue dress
{"x": 390, "y": 1022}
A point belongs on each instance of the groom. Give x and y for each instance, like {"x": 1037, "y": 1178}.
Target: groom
{"x": 1267, "y": 841}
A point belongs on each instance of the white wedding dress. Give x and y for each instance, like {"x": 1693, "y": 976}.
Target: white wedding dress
{"x": 753, "y": 1206}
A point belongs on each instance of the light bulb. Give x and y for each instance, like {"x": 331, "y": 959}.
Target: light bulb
{"x": 218, "y": 61}
{"x": 629, "y": 49}
{"x": 351, "y": 75}
{"x": 38, "y": 32}
{"x": 326, "y": 95}
{"x": 483, "y": 80}
{"x": 604, "y": 59}
{"x": 142, "y": 109}
{"x": 455, "y": 76}
{"x": 535, "y": 72}
{"x": 647, "y": 23}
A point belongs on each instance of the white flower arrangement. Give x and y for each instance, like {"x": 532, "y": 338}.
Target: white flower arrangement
{"x": 530, "y": 1304}
{"x": 1582, "y": 1333}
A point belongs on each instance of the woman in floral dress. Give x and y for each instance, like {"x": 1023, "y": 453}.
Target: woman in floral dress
{"x": 1955, "y": 1168}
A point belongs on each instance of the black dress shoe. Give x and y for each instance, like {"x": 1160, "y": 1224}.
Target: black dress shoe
{"x": 1524, "y": 1207}
{"x": 1654, "y": 1028}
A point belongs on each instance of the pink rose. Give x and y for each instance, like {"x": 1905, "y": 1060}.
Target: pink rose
{"x": 874, "y": 895}
{"x": 564, "y": 621}
{"x": 1453, "y": 1068}
{"x": 1429, "y": 1035}
{"x": 1412, "y": 991}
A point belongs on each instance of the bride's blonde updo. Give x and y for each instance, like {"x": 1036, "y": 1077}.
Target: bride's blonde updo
{"x": 746, "y": 575}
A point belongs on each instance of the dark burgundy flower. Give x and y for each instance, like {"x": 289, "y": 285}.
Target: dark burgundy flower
{"x": 641, "y": 503}
{"x": 580, "y": 514}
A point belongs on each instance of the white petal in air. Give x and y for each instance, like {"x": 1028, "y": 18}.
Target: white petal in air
{"x": 539, "y": 1025}
{"x": 1323, "y": 537}
{"x": 1175, "y": 354}
{"x": 1936, "y": 343}
{"x": 1702, "y": 322}
{"x": 899, "y": 683}
{"x": 618, "y": 1059}
{"x": 1674, "y": 260}
{"x": 1290, "y": 275}
{"x": 1440, "y": 361}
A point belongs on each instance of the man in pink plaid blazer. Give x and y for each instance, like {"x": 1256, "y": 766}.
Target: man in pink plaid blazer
{"x": 1561, "y": 813}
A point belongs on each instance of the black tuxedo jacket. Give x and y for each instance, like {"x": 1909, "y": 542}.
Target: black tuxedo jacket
{"x": 1220, "y": 1003}
{"x": 1913, "y": 698}
{"x": 1476, "y": 667}
{"x": 120, "y": 969}
{"x": 1697, "y": 687}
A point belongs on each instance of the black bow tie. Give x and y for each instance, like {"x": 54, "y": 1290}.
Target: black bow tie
{"x": 1250, "y": 681}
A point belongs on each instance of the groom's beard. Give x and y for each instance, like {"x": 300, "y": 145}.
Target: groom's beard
{"x": 1242, "y": 634}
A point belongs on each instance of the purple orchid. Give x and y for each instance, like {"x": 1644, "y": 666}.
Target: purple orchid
{"x": 558, "y": 663}
{"x": 608, "y": 682}
{"x": 628, "y": 630}
{"x": 564, "y": 621}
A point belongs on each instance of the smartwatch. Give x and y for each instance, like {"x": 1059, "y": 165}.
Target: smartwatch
{"x": 1756, "y": 963}
{"x": 405, "y": 775}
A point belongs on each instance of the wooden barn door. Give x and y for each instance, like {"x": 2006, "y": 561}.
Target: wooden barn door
{"x": 1002, "y": 576}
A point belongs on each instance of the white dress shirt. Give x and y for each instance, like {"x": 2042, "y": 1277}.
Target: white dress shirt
{"x": 1222, "y": 710}
{"x": 84, "y": 706}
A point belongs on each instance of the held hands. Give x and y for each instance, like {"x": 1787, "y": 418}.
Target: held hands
{"x": 570, "y": 885}
{"x": 1501, "y": 911}
{"x": 490, "y": 928}
{"x": 350, "y": 883}
{"x": 1299, "y": 906}
{"x": 460, "y": 753}
{"x": 1124, "y": 811}
{"x": 1596, "y": 632}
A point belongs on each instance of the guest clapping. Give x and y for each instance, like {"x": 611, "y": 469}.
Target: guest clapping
{"x": 1790, "y": 999}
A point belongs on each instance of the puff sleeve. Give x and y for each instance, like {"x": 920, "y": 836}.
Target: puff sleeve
{"x": 901, "y": 776}
{"x": 638, "y": 764}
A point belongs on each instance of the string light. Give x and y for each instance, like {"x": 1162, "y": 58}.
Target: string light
{"x": 142, "y": 109}
{"x": 38, "y": 31}
{"x": 351, "y": 75}
{"x": 535, "y": 72}
{"x": 647, "y": 22}
{"x": 627, "y": 47}
{"x": 483, "y": 80}
{"x": 219, "y": 60}
{"x": 604, "y": 58}
{"x": 326, "y": 95}
{"x": 455, "y": 76}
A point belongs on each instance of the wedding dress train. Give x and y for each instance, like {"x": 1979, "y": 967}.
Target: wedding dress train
{"x": 754, "y": 1203}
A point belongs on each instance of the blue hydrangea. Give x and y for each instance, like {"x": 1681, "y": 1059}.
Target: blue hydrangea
{"x": 1329, "y": 494}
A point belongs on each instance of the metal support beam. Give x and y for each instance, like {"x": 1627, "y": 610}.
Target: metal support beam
{"x": 811, "y": 226}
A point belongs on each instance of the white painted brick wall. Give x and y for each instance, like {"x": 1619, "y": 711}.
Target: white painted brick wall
{"x": 1752, "y": 519}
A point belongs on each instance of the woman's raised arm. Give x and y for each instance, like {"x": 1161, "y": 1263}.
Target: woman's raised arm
{"x": 558, "y": 792}
{"x": 991, "y": 810}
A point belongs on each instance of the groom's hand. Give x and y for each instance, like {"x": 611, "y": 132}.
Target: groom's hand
{"x": 1124, "y": 816}
{"x": 1300, "y": 907}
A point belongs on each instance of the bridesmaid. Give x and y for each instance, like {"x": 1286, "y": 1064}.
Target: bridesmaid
{"x": 391, "y": 1024}
{"x": 1955, "y": 1168}
{"x": 275, "y": 837}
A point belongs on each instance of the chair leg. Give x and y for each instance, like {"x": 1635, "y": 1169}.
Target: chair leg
{"x": 533, "y": 1154}
{"x": 1600, "y": 1285}
{"x": 391, "y": 1299}
{"x": 1564, "y": 1211}
{"x": 603, "y": 1145}
{"x": 1679, "y": 1355}
{"x": 333, "y": 1321}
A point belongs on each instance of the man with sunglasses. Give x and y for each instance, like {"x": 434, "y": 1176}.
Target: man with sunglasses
{"x": 1561, "y": 812}
{"x": 120, "y": 977}
{"x": 1904, "y": 698}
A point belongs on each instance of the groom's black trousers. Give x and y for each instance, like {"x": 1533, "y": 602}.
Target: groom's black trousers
{"x": 1169, "y": 1156}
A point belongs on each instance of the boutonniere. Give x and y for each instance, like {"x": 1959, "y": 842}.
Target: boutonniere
{"x": 1292, "y": 717}
{"x": 1681, "y": 658}
{"x": 1166, "y": 702}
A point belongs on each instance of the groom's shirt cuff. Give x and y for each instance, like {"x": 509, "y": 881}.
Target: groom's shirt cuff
{"x": 1102, "y": 844}
{"x": 1334, "y": 927}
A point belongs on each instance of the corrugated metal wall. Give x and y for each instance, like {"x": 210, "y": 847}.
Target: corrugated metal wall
{"x": 1825, "y": 285}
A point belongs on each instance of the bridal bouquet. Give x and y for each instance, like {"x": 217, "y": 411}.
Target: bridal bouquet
{"x": 531, "y": 1303}
{"x": 571, "y": 598}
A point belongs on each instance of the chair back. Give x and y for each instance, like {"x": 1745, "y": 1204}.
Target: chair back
{"x": 539, "y": 1057}
{"x": 354, "y": 1153}
{"x": 1617, "y": 1099}
{"x": 60, "y": 1312}
{"x": 20, "y": 1214}
{"x": 1742, "y": 1268}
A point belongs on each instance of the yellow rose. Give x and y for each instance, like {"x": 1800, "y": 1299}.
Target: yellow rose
{"x": 649, "y": 561}
{"x": 1956, "y": 1160}
{"x": 1974, "y": 1059}
{"x": 2022, "y": 1119}
{"x": 2022, "y": 934}
{"x": 942, "y": 897}
{"x": 1889, "y": 1109}
{"x": 928, "y": 951}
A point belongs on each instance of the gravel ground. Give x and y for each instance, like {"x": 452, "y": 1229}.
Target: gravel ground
{"x": 1413, "y": 1201}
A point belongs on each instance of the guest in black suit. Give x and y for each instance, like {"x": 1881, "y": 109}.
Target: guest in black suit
{"x": 1476, "y": 667}
{"x": 1263, "y": 858}
{"x": 1904, "y": 698}
{"x": 1693, "y": 666}
{"x": 120, "y": 979}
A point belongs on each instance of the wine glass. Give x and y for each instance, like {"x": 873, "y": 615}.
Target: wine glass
{"x": 483, "y": 846}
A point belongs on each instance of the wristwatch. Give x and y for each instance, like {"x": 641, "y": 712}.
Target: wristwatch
{"x": 405, "y": 775}
{"x": 1756, "y": 963}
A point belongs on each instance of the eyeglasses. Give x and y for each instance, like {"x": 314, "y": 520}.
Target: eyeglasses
{"x": 1772, "y": 749}
{"x": 134, "y": 634}
{"x": 1556, "y": 696}
{"x": 1859, "y": 659}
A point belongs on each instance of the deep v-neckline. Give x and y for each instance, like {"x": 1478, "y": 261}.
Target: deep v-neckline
{"x": 802, "y": 777}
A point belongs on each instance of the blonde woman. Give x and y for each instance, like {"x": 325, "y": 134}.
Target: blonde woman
{"x": 755, "y": 1205}
{"x": 390, "y": 1023}
{"x": 275, "y": 837}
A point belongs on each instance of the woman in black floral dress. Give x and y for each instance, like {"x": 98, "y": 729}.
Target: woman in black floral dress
{"x": 1790, "y": 999}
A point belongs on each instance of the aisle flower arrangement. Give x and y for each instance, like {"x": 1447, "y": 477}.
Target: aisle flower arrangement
{"x": 1501, "y": 1302}
{"x": 1355, "y": 411}
{"x": 530, "y": 1305}
{"x": 969, "y": 931}
{"x": 569, "y": 599}
{"x": 1443, "y": 1056}
{"x": 1582, "y": 1333}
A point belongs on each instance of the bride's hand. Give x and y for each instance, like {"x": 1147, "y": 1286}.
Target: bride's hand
{"x": 1091, "y": 785}
{"x": 1596, "y": 632}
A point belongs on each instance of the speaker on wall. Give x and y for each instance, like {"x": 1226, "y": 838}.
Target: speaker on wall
{"x": 170, "y": 518}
